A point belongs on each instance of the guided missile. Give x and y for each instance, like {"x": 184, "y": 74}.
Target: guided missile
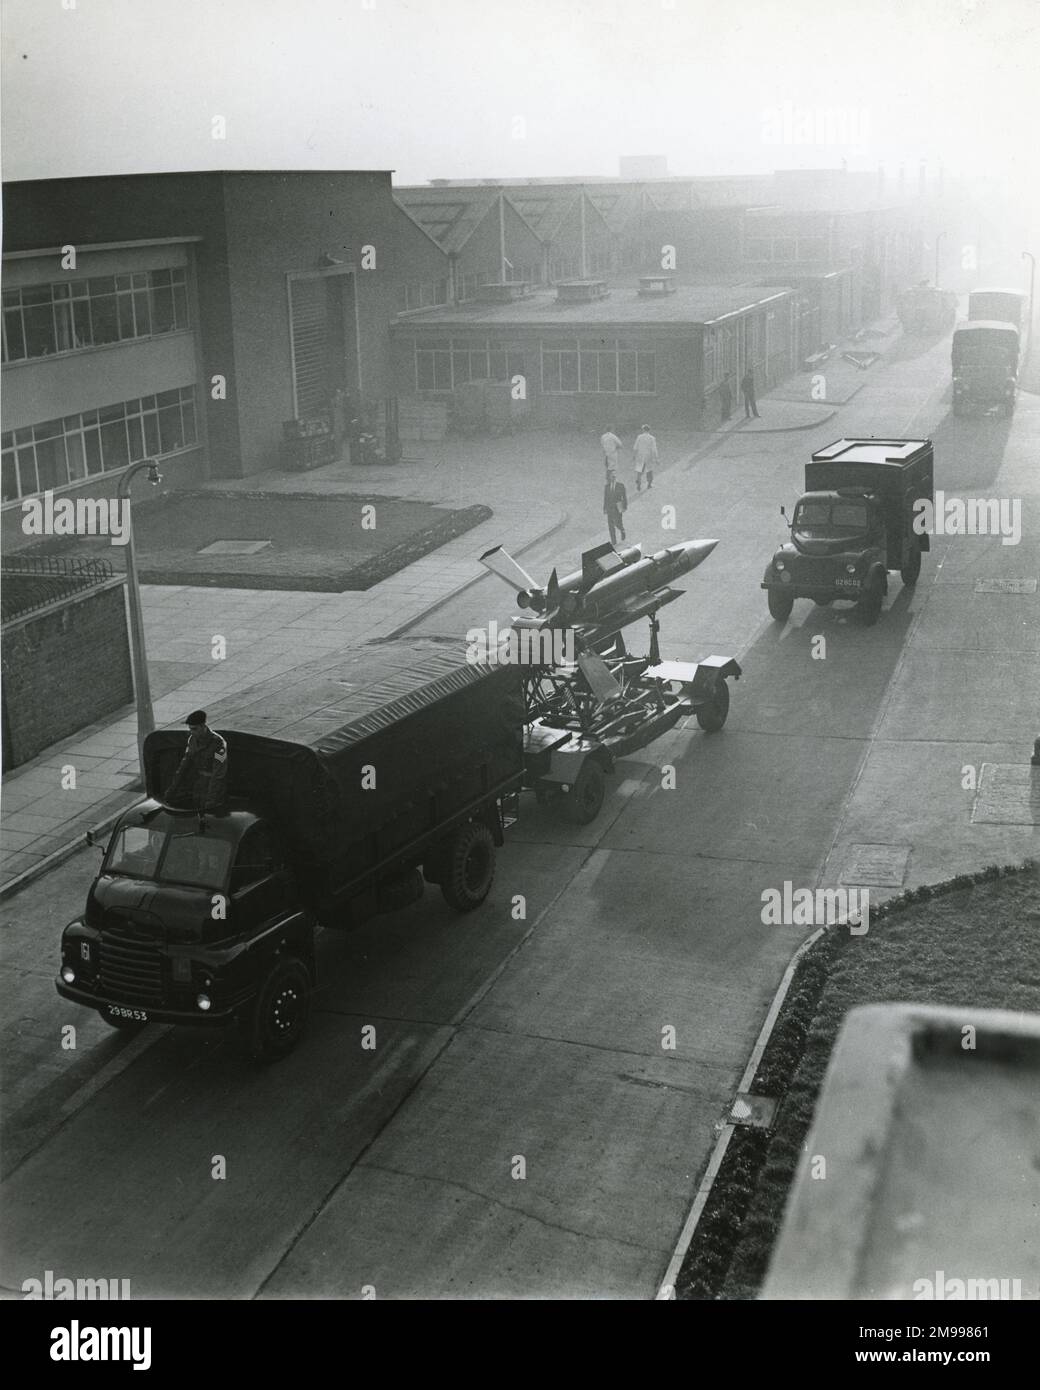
{"x": 613, "y": 587}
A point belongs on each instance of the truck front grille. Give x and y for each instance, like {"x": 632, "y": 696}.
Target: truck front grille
{"x": 130, "y": 967}
{"x": 810, "y": 570}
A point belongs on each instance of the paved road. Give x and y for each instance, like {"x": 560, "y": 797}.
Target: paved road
{"x": 519, "y": 1130}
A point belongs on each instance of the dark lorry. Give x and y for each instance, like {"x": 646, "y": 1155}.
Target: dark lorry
{"x": 853, "y": 524}
{"x": 984, "y": 357}
{"x": 350, "y": 782}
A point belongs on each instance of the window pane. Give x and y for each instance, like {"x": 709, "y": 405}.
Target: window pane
{"x": 81, "y": 323}
{"x": 165, "y": 398}
{"x": 135, "y": 436}
{"x": 162, "y": 310}
{"x": 77, "y": 461}
{"x": 568, "y": 371}
{"x": 125, "y": 308}
{"x": 424, "y": 371}
{"x": 39, "y": 331}
{"x": 109, "y": 413}
{"x": 27, "y": 472}
{"x": 627, "y": 371}
{"x": 607, "y": 371}
{"x": 92, "y": 449}
{"x": 646, "y": 373}
{"x": 461, "y": 367}
{"x": 188, "y": 415}
{"x": 104, "y": 318}
{"x": 50, "y": 463}
{"x": 113, "y": 445}
{"x": 151, "y": 434}
{"x": 8, "y": 477}
{"x": 37, "y": 294}
{"x": 171, "y": 434}
{"x": 14, "y": 339}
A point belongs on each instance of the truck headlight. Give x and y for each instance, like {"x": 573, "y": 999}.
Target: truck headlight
{"x": 778, "y": 564}
{"x": 850, "y": 569}
{"x": 68, "y": 974}
{"x": 204, "y": 1002}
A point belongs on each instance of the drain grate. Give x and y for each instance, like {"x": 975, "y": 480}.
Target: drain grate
{"x": 1005, "y": 586}
{"x": 1008, "y": 794}
{"x": 876, "y": 866}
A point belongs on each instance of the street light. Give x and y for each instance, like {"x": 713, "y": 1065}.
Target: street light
{"x": 938, "y": 239}
{"x": 142, "y": 690}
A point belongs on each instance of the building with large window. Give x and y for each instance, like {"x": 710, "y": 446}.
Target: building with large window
{"x": 187, "y": 317}
{"x": 622, "y": 357}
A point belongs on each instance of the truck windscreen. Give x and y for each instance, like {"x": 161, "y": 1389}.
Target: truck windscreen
{"x": 190, "y": 859}
{"x": 820, "y": 520}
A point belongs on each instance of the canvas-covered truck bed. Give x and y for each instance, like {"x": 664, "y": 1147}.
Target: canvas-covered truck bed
{"x": 365, "y": 759}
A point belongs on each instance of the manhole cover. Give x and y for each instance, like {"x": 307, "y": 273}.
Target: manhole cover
{"x": 1005, "y": 586}
{"x": 876, "y": 866}
{"x": 234, "y": 547}
{"x": 754, "y": 1112}
{"x": 1009, "y": 794}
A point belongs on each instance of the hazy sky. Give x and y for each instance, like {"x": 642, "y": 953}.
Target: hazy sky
{"x": 471, "y": 88}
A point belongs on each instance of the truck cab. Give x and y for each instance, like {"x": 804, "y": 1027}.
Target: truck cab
{"x": 852, "y": 525}
{"x": 184, "y": 919}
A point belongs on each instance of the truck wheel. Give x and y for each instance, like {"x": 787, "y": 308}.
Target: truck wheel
{"x": 912, "y": 569}
{"x": 869, "y": 606}
{"x": 780, "y": 605}
{"x": 469, "y": 866}
{"x": 584, "y": 801}
{"x": 712, "y": 716}
{"x": 278, "y": 1018}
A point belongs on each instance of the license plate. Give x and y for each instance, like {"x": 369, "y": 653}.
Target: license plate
{"x": 848, "y": 583}
{"x": 117, "y": 1011}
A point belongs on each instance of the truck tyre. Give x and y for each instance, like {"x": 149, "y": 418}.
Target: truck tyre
{"x": 712, "y": 716}
{"x": 869, "y": 606}
{"x": 468, "y": 866}
{"x": 780, "y": 605}
{"x": 912, "y": 569}
{"x": 277, "y": 1019}
{"x": 584, "y": 801}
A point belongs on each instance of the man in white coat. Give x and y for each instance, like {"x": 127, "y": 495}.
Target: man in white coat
{"x": 644, "y": 451}
{"x": 611, "y": 449}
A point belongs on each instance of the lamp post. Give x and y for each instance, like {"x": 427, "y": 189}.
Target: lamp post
{"x": 938, "y": 239}
{"x": 142, "y": 690}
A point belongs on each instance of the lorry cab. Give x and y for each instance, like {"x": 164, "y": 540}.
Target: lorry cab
{"x": 185, "y": 916}
{"x": 832, "y": 523}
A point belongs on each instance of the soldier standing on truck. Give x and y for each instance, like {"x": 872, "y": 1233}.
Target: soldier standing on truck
{"x": 201, "y": 777}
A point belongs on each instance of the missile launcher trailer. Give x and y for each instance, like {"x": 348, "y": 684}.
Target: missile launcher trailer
{"x": 854, "y": 523}
{"x": 350, "y": 781}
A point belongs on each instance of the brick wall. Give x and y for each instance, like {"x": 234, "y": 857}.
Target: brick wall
{"x": 64, "y": 668}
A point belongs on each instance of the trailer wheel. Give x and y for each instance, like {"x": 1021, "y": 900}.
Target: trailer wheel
{"x": 583, "y": 802}
{"x": 277, "y": 1019}
{"x": 780, "y": 605}
{"x": 912, "y": 569}
{"x": 469, "y": 866}
{"x": 712, "y": 716}
{"x": 869, "y": 607}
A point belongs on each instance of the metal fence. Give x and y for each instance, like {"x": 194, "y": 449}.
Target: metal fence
{"x": 31, "y": 582}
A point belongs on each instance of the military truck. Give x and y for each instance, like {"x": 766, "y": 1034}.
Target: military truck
{"x": 984, "y": 358}
{"x": 853, "y": 524}
{"x": 351, "y": 782}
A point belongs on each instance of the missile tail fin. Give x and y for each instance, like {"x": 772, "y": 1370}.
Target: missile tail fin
{"x": 500, "y": 562}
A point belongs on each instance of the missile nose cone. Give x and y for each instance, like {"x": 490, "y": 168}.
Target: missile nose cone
{"x": 697, "y": 552}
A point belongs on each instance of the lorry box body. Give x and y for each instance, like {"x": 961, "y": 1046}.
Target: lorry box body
{"x": 358, "y": 759}
{"x": 984, "y": 356}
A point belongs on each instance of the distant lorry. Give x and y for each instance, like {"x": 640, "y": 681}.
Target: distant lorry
{"x": 984, "y": 358}
{"x": 926, "y": 309}
{"x": 1001, "y": 306}
{"x": 351, "y": 781}
{"x": 854, "y": 523}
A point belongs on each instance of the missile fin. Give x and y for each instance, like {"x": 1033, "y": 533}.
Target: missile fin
{"x": 500, "y": 562}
